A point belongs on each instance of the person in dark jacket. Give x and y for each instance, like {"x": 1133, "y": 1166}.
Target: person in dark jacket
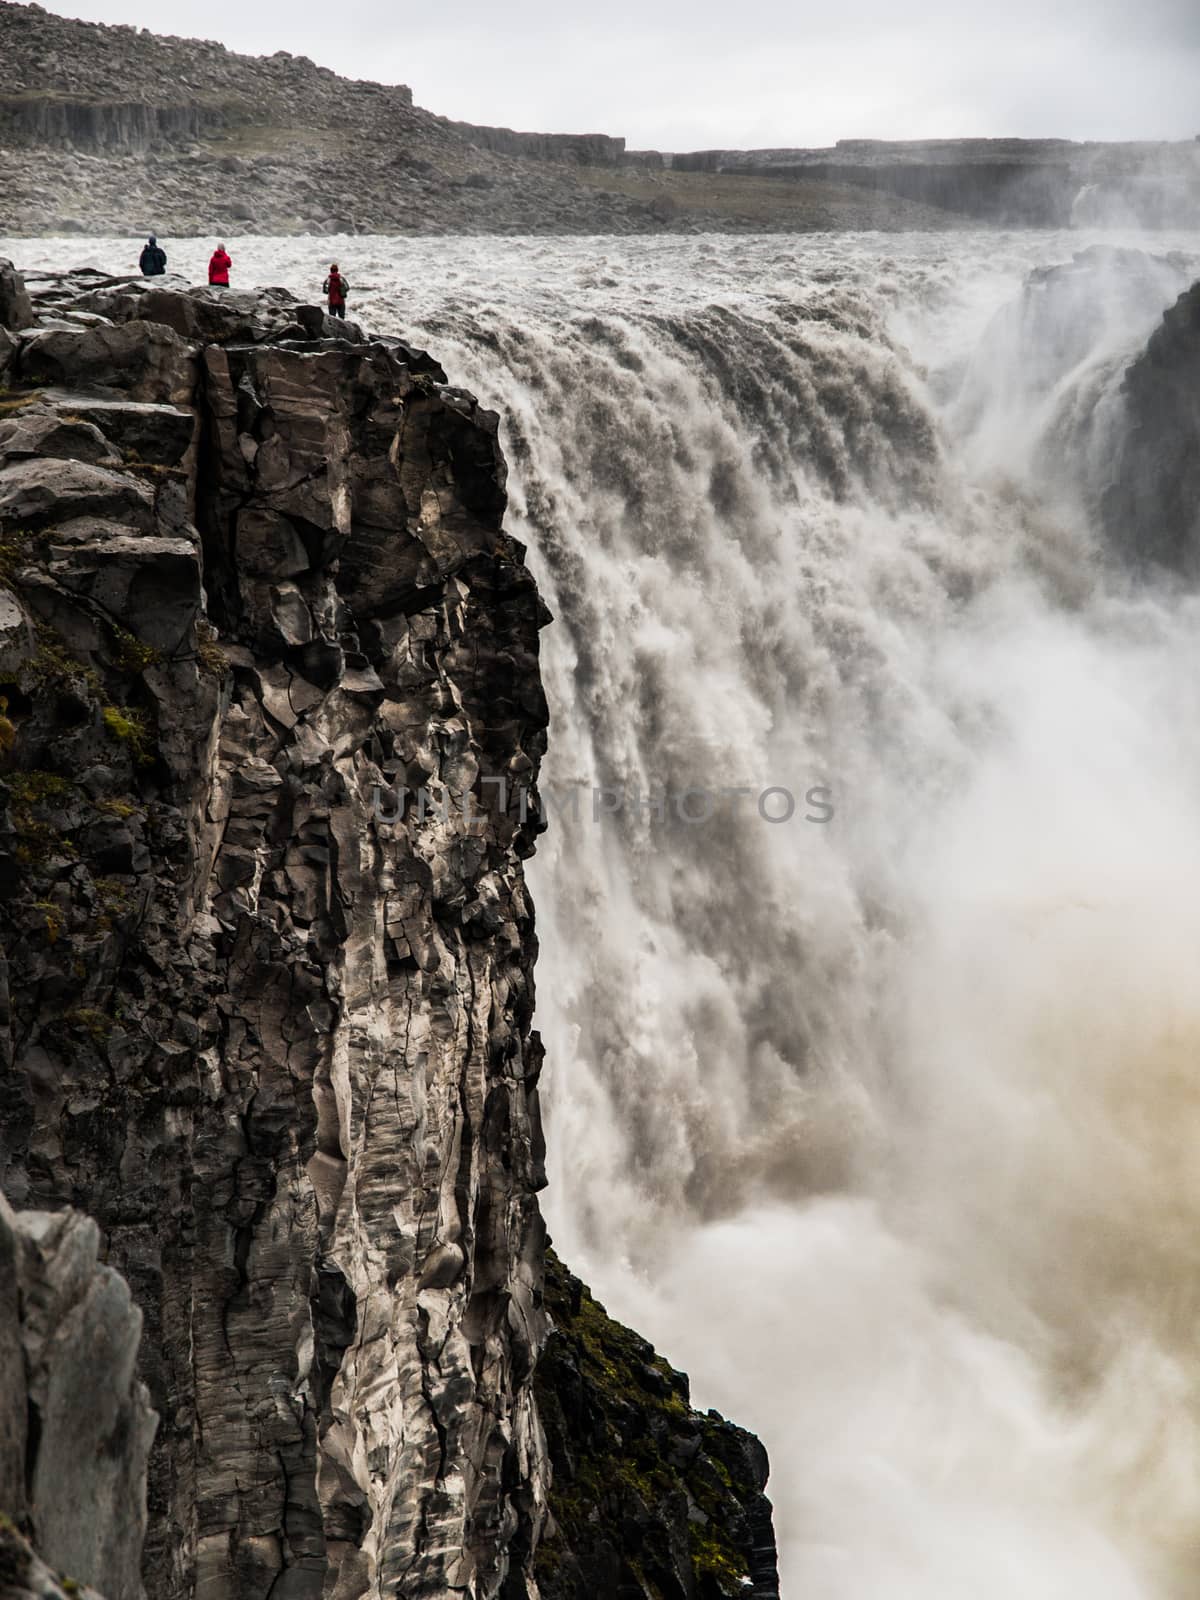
{"x": 337, "y": 288}
{"x": 218, "y": 268}
{"x": 153, "y": 260}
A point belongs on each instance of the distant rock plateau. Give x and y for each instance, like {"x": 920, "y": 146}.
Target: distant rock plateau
{"x": 112, "y": 130}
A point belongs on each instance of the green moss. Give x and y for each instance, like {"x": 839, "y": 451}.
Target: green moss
{"x": 616, "y": 1354}
{"x": 130, "y": 654}
{"x": 115, "y": 900}
{"x": 633, "y": 1423}
{"x": 55, "y": 922}
{"x": 210, "y": 658}
{"x": 129, "y": 727}
{"x": 117, "y": 808}
{"x": 96, "y": 1024}
{"x": 17, "y": 550}
{"x": 38, "y": 840}
{"x": 35, "y": 788}
{"x": 55, "y": 665}
{"x": 713, "y": 1556}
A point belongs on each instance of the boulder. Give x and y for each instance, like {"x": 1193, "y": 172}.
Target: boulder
{"x": 144, "y": 360}
{"x": 38, "y": 493}
{"x": 268, "y": 545}
{"x": 69, "y": 1336}
{"x": 318, "y": 324}
{"x": 150, "y": 582}
{"x": 648, "y": 1496}
{"x": 8, "y": 354}
{"x": 159, "y": 435}
{"x": 16, "y": 308}
{"x": 17, "y": 646}
{"x": 40, "y": 432}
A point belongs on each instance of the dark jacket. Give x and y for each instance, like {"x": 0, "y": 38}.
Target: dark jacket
{"x": 153, "y": 260}
{"x": 218, "y": 268}
{"x": 337, "y": 288}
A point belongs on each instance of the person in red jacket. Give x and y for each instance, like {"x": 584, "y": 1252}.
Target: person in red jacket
{"x": 336, "y": 288}
{"x": 218, "y": 268}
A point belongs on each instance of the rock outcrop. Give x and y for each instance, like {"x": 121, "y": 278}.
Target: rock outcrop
{"x": 1151, "y": 509}
{"x": 75, "y": 1422}
{"x": 574, "y": 149}
{"x": 270, "y": 727}
{"x": 649, "y": 1497}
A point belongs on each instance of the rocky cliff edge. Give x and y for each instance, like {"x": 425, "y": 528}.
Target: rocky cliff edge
{"x": 270, "y": 726}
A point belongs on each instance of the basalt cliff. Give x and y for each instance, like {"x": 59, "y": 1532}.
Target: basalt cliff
{"x": 275, "y": 1317}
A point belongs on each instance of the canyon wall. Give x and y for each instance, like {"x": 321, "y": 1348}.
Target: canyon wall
{"x": 580, "y": 149}
{"x": 278, "y": 1047}
{"x": 29, "y": 121}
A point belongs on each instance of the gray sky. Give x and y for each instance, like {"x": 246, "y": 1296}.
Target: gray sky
{"x": 686, "y": 74}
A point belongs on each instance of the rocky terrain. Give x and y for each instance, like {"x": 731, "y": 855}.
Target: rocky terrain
{"x": 649, "y": 1497}
{"x": 270, "y": 726}
{"x": 116, "y": 130}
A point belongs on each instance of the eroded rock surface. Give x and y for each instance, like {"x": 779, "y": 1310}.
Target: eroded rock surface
{"x": 75, "y": 1422}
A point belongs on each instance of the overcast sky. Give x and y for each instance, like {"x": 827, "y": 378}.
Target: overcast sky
{"x": 687, "y": 74}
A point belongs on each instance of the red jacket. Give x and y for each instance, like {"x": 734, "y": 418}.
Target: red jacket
{"x": 335, "y": 288}
{"x": 218, "y": 268}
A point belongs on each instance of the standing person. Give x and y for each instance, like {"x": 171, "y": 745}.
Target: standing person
{"x": 153, "y": 260}
{"x": 218, "y": 268}
{"x": 337, "y": 288}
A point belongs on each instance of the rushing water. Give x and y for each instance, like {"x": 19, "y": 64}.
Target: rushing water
{"x": 886, "y": 1127}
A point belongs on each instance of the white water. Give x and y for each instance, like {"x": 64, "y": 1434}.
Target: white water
{"x": 888, "y": 1130}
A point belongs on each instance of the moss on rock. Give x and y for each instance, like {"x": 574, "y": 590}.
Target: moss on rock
{"x": 649, "y": 1497}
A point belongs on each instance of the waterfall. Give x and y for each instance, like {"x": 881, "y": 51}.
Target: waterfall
{"x": 881, "y": 1123}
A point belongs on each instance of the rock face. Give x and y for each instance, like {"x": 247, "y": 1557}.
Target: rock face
{"x": 575, "y": 149}
{"x": 270, "y": 727}
{"x": 649, "y": 1498}
{"x": 75, "y": 1422}
{"x": 277, "y": 1046}
{"x": 1152, "y": 507}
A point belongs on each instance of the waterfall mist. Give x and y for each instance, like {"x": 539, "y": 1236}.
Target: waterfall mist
{"x": 883, "y": 1127}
